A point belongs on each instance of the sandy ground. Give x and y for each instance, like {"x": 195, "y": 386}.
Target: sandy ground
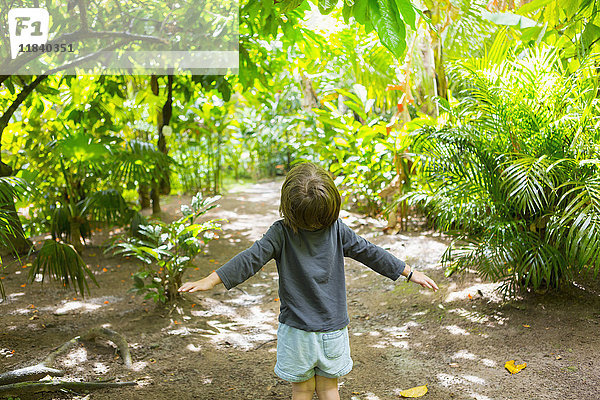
{"x": 221, "y": 344}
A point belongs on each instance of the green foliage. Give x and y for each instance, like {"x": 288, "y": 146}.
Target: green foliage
{"x": 572, "y": 26}
{"x": 10, "y": 188}
{"x": 166, "y": 250}
{"x": 139, "y": 162}
{"x": 513, "y": 175}
{"x": 357, "y": 146}
{"x": 60, "y": 261}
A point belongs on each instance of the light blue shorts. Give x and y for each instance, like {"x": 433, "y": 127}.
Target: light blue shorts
{"x": 302, "y": 354}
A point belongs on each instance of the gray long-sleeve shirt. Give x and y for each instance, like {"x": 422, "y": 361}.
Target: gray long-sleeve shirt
{"x": 312, "y": 288}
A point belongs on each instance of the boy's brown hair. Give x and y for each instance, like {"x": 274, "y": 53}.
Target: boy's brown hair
{"x": 309, "y": 198}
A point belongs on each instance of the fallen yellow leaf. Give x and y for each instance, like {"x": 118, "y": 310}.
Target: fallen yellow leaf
{"x": 512, "y": 368}
{"x": 414, "y": 392}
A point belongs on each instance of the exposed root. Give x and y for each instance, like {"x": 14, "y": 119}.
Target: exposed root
{"x": 18, "y": 381}
{"x": 21, "y": 388}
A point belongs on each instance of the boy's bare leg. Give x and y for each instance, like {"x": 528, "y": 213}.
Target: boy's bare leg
{"x": 327, "y": 388}
{"x": 303, "y": 390}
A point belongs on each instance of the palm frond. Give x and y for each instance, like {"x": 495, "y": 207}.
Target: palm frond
{"x": 105, "y": 205}
{"x": 60, "y": 261}
{"x": 140, "y": 161}
{"x": 528, "y": 182}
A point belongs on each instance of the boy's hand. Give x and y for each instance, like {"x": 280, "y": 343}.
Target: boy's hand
{"x": 203, "y": 284}
{"x": 423, "y": 280}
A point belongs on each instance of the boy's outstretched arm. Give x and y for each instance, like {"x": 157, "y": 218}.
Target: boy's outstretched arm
{"x": 203, "y": 284}
{"x": 380, "y": 260}
{"x": 243, "y": 265}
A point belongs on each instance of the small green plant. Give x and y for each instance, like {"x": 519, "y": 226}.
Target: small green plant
{"x": 166, "y": 250}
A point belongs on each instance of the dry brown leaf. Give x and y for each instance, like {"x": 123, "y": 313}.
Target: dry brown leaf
{"x": 512, "y": 368}
{"x": 414, "y": 392}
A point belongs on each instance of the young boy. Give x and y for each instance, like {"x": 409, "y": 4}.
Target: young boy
{"x": 309, "y": 246}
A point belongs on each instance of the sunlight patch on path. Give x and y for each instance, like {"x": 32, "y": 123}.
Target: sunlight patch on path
{"x": 75, "y": 357}
{"x": 100, "y": 368}
{"x": 467, "y": 355}
{"x": 249, "y": 325}
{"x": 448, "y": 380}
{"x": 247, "y": 225}
{"x": 487, "y": 289}
{"x": 83, "y": 306}
{"x": 456, "y": 330}
{"x": 478, "y": 396}
{"x": 11, "y": 297}
{"x": 480, "y": 318}
{"x": 392, "y": 336}
{"x": 367, "y": 396}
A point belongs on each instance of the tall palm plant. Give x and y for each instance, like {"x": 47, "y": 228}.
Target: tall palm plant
{"x": 514, "y": 174}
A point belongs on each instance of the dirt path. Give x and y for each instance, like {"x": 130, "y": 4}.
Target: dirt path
{"x": 222, "y": 346}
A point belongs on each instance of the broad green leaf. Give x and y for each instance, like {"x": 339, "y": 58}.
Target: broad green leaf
{"x": 389, "y": 26}
{"x": 408, "y": 12}
{"x": 347, "y": 12}
{"x": 357, "y": 109}
{"x": 360, "y": 12}
{"x": 590, "y": 35}
{"x": 289, "y": 5}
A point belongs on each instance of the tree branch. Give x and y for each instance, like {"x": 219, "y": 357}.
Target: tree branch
{"x": 29, "y": 88}
{"x": 17, "y": 102}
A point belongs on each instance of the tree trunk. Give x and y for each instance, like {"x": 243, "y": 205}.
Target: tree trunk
{"x": 164, "y": 120}
{"x": 17, "y": 242}
{"x": 75, "y": 235}
{"x": 155, "y": 196}
{"x": 440, "y": 72}
{"x": 210, "y": 171}
{"x": 218, "y": 164}
{"x": 309, "y": 95}
{"x": 144, "y": 196}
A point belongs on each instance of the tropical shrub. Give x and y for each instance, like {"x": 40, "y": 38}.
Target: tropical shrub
{"x": 514, "y": 173}
{"x": 357, "y": 147}
{"x": 60, "y": 261}
{"x": 167, "y": 250}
